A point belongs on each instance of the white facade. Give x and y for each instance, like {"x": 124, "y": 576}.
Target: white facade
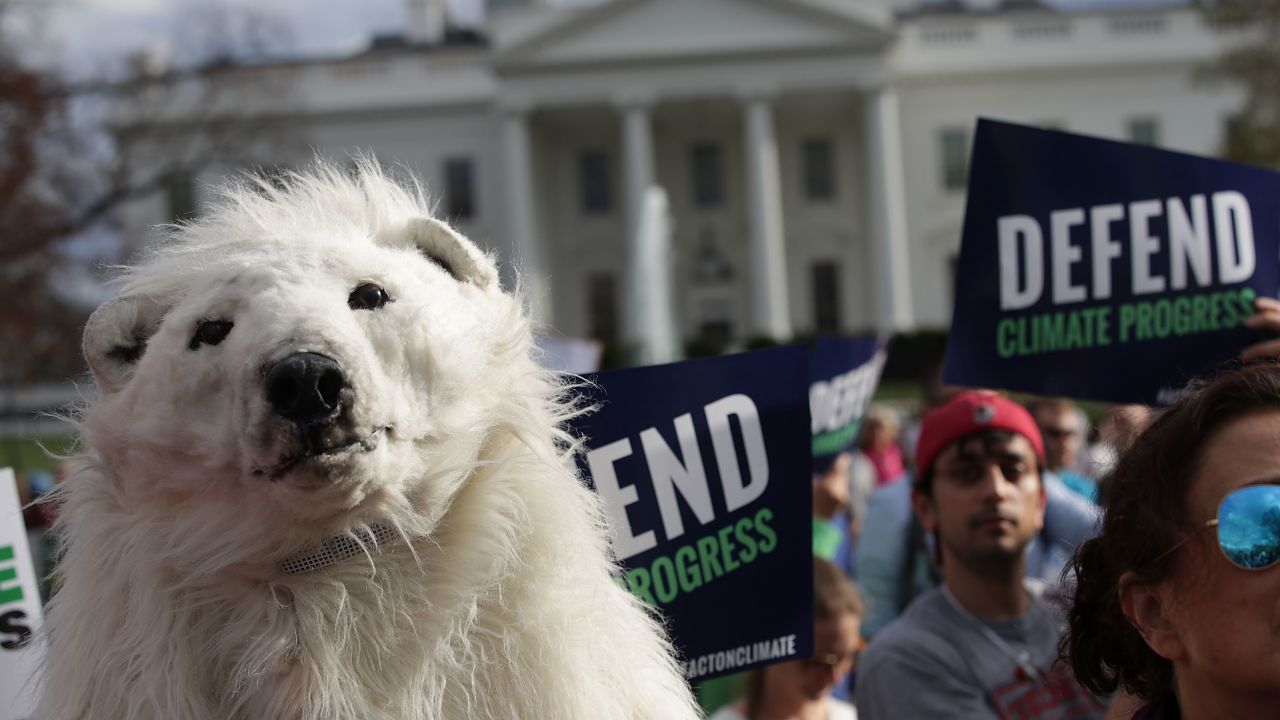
{"x": 760, "y": 95}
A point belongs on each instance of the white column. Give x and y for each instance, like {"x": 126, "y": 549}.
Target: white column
{"x": 522, "y": 215}
{"x": 770, "y": 306}
{"x": 428, "y": 20}
{"x": 890, "y": 263}
{"x": 648, "y": 313}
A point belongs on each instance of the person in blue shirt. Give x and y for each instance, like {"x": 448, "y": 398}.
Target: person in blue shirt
{"x": 1065, "y": 428}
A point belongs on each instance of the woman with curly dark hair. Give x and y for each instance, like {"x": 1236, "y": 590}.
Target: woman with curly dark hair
{"x": 1178, "y": 600}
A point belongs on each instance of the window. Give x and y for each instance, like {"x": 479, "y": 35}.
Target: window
{"x": 1238, "y": 134}
{"x": 948, "y": 35}
{"x": 602, "y": 307}
{"x": 1045, "y": 30}
{"x": 1144, "y": 131}
{"x": 708, "y": 176}
{"x": 715, "y": 325}
{"x": 459, "y": 189}
{"x": 181, "y": 197}
{"x": 1141, "y": 25}
{"x": 819, "y": 169}
{"x": 955, "y": 160}
{"x": 593, "y": 175}
{"x": 710, "y": 266}
{"x": 826, "y": 297}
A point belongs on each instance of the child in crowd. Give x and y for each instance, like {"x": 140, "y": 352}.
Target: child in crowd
{"x": 802, "y": 689}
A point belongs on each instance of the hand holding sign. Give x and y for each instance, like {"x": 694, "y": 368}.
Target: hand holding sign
{"x": 1266, "y": 317}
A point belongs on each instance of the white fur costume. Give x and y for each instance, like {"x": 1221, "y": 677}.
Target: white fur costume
{"x": 496, "y": 596}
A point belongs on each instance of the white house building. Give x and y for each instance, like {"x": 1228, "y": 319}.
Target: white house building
{"x": 813, "y": 152}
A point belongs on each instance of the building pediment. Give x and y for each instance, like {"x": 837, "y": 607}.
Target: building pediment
{"x": 638, "y": 31}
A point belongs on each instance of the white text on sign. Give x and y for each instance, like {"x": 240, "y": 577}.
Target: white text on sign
{"x": 1190, "y": 245}
{"x": 683, "y": 474}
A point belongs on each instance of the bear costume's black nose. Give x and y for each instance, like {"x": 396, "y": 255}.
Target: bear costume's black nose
{"x": 306, "y": 388}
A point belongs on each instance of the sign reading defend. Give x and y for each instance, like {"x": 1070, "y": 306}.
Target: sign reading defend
{"x": 1103, "y": 270}
{"x": 704, "y": 469}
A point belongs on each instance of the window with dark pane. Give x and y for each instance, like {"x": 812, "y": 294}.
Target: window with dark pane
{"x": 593, "y": 175}
{"x": 715, "y": 326}
{"x": 1144, "y": 131}
{"x": 826, "y": 296}
{"x": 955, "y": 158}
{"x": 459, "y": 188}
{"x": 181, "y": 197}
{"x": 708, "y": 175}
{"x": 819, "y": 168}
{"x": 602, "y": 307}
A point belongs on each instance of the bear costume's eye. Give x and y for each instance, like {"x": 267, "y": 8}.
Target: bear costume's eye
{"x": 368, "y": 297}
{"x": 210, "y": 332}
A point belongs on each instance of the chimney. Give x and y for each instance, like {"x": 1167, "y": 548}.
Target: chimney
{"x": 427, "y": 21}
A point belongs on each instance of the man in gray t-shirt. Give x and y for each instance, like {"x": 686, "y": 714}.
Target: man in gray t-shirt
{"x": 984, "y": 643}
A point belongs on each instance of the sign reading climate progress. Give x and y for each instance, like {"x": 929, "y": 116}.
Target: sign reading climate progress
{"x": 1103, "y": 270}
{"x": 704, "y": 470}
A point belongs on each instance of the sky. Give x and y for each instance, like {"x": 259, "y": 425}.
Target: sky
{"x": 87, "y": 36}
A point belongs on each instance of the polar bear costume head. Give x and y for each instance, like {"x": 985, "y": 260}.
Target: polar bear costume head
{"x": 325, "y": 479}
{"x": 303, "y": 358}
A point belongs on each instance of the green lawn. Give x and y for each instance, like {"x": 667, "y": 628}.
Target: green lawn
{"x": 25, "y": 455}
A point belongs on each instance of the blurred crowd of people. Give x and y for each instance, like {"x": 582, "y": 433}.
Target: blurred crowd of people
{"x": 889, "y": 516}
{"x": 864, "y": 496}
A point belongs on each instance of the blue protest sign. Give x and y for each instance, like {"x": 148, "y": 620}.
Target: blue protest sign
{"x": 704, "y": 470}
{"x": 1103, "y": 270}
{"x": 843, "y": 375}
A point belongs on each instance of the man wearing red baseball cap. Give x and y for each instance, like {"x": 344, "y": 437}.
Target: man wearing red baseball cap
{"x": 984, "y": 643}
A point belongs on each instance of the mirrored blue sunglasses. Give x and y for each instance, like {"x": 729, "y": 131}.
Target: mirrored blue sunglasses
{"x": 1248, "y": 526}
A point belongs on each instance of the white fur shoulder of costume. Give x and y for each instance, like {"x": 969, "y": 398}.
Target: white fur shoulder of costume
{"x": 498, "y": 596}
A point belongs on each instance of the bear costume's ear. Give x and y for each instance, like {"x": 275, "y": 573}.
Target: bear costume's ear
{"x": 116, "y": 336}
{"x": 456, "y": 254}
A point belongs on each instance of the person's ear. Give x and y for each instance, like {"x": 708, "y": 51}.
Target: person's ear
{"x": 1147, "y": 607}
{"x": 925, "y": 511}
